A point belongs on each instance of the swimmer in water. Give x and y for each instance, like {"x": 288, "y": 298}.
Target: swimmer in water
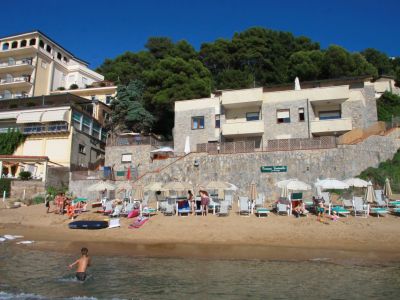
{"x": 83, "y": 263}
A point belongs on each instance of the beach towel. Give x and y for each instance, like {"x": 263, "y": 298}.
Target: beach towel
{"x": 133, "y": 214}
{"x": 139, "y": 222}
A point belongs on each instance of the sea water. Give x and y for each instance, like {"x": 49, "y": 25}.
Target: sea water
{"x": 32, "y": 274}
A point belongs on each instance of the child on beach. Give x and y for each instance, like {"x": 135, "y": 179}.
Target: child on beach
{"x": 334, "y": 216}
{"x": 83, "y": 263}
{"x": 320, "y": 211}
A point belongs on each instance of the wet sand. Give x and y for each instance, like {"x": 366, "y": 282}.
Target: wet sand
{"x": 349, "y": 240}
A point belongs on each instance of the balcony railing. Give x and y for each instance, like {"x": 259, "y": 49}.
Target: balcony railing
{"x": 37, "y": 128}
{"x": 21, "y": 62}
{"x": 246, "y": 127}
{"x": 331, "y": 125}
{"x": 15, "y": 79}
{"x": 13, "y": 96}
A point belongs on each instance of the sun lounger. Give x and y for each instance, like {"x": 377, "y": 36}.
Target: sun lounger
{"x": 282, "y": 208}
{"x": 229, "y": 199}
{"x": 244, "y": 206}
{"x": 114, "y": 223}
{"x": 117, "y": 211}
{"x": 262, "y": 211}
{"x": 380, "y": 199}
{"x": 169, "y": 209}
{"x": 396, "y": 210}
{"x": 360, "y": 207}
{"x": 108, "y": 208}
{"x": 327, "y": 201}
{"x": 341, "y": 211}
{"x": 379, "y": 211}
{"x": 223, "y": 209}
{"x": 259, "y": 201}
{"x": 347, "y": 203}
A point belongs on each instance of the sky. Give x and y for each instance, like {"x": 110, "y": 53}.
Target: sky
{"x": 96, "y": 30}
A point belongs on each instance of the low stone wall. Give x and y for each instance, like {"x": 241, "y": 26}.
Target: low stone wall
{"x": 31, "y": 188}
{"x": 57, "y": 177}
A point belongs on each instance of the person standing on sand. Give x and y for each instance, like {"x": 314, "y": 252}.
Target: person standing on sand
{"x": 205, "y": 200}
{"x": 83, "y": 263}
{"x": 47, "y": 203}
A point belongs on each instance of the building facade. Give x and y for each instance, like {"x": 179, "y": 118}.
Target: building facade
{"x": 64, "y": 128}
{"x": 320, "y": 108}
{"x": 32, "y": 64}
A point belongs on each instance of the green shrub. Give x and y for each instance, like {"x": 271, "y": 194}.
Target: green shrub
{"x": 25, "y": 175}
{"x": 38, "y": 200}
{"x": 10, "y": 141}
{"x": 73, "y": 86}
{"x": 387, "y": 169}
{"x": 5, "y": 185}
{"x": 61, "y": 88}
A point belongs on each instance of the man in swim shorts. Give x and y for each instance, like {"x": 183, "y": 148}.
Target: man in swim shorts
{"x": 83, "y": 263}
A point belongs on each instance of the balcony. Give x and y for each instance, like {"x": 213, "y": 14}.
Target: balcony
{"x": 8, "y": 96}
{"x": 242, "y": 98}
{"x": 30, "y": 50}
{"x": 16, "y": 82}
{"x": 250, "y": 128}
{"x": 16, "y": 66}
{"x": 332, "y": 126}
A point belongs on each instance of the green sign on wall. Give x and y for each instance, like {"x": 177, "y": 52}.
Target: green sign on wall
{"x": 273, "y": 169}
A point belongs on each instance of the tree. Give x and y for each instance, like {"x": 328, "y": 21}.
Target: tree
{"x": 379, "y": 60}
{"x": 388, "y": 106}
{"x": 128, "y": 111}
{"x": 306, "y": 65}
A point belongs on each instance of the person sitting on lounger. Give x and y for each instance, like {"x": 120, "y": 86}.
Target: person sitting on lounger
{"x": 300, "y": 209}
{"x": 191, "y": 201}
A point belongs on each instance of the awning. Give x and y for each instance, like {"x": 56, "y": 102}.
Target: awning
{"x": 29, "y": 117}
{"x": 8, "y": 115}
{"x": 55, "y": 115}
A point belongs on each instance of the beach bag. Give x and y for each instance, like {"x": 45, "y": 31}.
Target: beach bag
{"x": 133, "y": 214}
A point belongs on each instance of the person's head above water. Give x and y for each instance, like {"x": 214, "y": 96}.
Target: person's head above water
{"x": 84, "y": 251}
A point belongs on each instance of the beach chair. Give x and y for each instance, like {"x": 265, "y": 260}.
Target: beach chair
{"x": 380, "y": 199}
{"x": 229, "y": 199}
{"x": 327, "y": 201}
{"x": 223, "y": 209}
{"x": 282, "y": 208}
{"x": 259, "y": 201}
{"x": 108, "y": 208}
{"x": 117, "y": 211}
{"x": 169, "y": 209}
{"x": 347, "y": 203}
{"x": 244, "y": 206}
{"x": 213, "y": 206}
{"x": 360, "y": 207}
{"x": 340, "y": 210}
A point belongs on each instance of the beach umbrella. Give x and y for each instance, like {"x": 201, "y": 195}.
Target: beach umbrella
{"x": 139, "y": 192}
{"x": 101, "y": 186}
{"x": 387, "y": 190}
{"x": 356, "y": 182}
{"x": 253, "y": 191}
{"x": 232, "y": 187}
{"x": 318, "y": 191}
{"x": 370, "y": 196}
{"x": 155, "y": 187}
{"x": 177, "y": 186}
{"x": 217, "y": 185}
{"x": 297, "y": 84}
{"x": 294, "y": 185}
{"x": 331, "y": 183}
{"x": 187, "y": 145}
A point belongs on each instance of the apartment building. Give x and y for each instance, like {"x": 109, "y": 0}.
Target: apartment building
{"x": 32, "y": 64}
{"x": 67, "y": 129}
{"x": 319, "y": 108}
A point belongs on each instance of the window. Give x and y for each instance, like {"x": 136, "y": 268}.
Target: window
{"x": 103, "y": 135}
{"x": 301, "y": 114}
{"x": 283, "y": 116}
{"x": 217, "y": 121}
{"x": 41, "y": 44}
{"x": 96, "y": 130}
{"x": 6, "y": 46}
{"x": 86, "y": 124}
{"x": 14, "y": 45}
{"x": 93, "y": 97}
{"x": 48, "y": 48}
{"x": 108, "y": 99}
{"x": 126, "y": 158}
{"x": 329, "y": 115}
{"x": 252, "y": 116}
{"x": 32, "y": 42}
{"x": 76, "y": 118}
{"x": 23, "y": 43}
{"x": 82, "y": 149}
{"x": 59, "y": 56}
{"x": 65, "y": 59}
{"x": 57, "y": 126}
{"x": 198, "y": 122}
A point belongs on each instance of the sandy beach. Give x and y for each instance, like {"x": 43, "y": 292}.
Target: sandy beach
{"x": 354, "y": 240}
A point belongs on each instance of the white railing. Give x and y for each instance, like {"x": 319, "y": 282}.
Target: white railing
{"x": 14, "y": 96}
{"x": 15, "y": 79}
{"x": 20, "y": 62}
